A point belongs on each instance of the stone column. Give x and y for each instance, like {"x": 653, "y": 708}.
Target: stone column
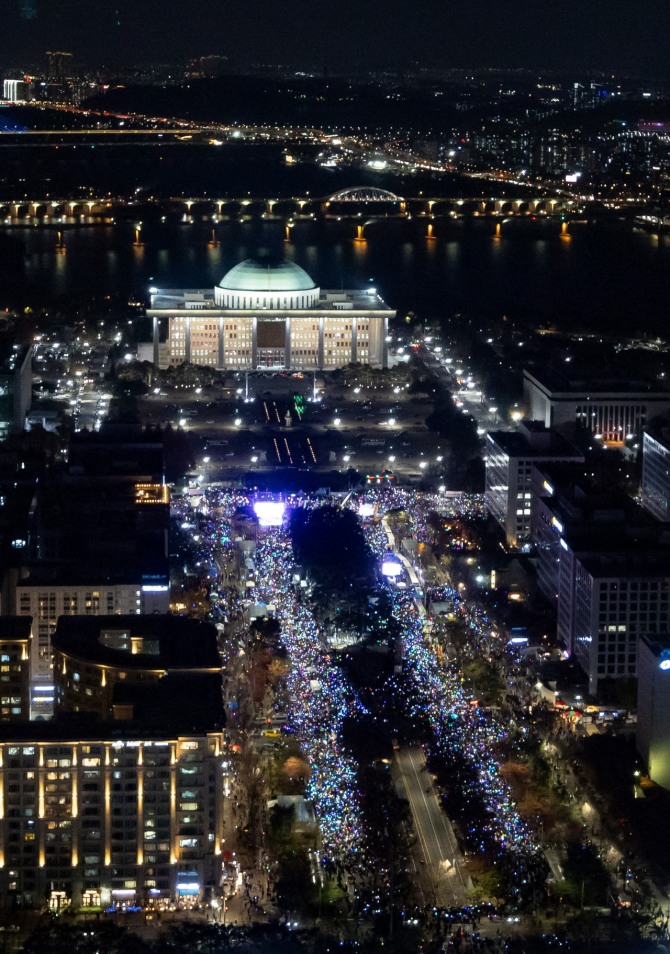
{"x": 354, "y": 339}
{"x": 222, "y": 349}
{"x": 287, "y": 342}
{"x": 321, "y": 354}
{"x": 187, "y": 346}
{"x": 254, "y": 342}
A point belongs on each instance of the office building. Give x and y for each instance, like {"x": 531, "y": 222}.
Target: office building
{"x": 653, "y": 707}
{"x": 605, "y": 564}
{"x": 655, "y": 488}
{"x": 102, "y": 549}
{"x": 566, "y": 504}
{"x": 268, "y": 313}
{"x": 611, "y": 410}
{"x": 16, "y": 385}
{"x": 509, "y": 459}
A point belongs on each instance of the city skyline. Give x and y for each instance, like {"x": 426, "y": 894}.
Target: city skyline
{"x": 615, "y": 37}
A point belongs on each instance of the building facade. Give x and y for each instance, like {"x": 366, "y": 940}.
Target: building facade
{"x": 16, "y": 386}
{"x": 15, "y": 640}
{"x": 612, "y": 411}
{"x": 269, "y": 314}
{"x": 117, "y": 816}
{"x": 119, "y": 799}
{"x": 44, "y": 602}
{"x": 15, "y": 91}
{"x": 655, "y": 488}
{"x": 614, "y": 599}
{"x": 97, "y": 657}
{"x": 653, "y": 707}
{"x": 509, "y": 460}
{"x": 603, "y": 562}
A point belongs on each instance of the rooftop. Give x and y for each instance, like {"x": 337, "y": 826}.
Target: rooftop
{"x": 15, "y": 627}
{"x": 202, "y": 299}
{"x": 538, "y": 442}
{"x": 643, "y": 562}
{"x": 560, "y": 382}
{"x": 140, "y": 642}
{"x": 266, "y": 273}
{"x": 598, "y": 521}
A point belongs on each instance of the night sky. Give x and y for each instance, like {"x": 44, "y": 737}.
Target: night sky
{"x": 617, "y": 35}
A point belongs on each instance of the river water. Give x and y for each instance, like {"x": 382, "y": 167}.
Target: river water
{"x": 604, "y": 276}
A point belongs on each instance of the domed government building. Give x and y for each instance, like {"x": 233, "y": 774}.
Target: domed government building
{"x": 267, "y": 313}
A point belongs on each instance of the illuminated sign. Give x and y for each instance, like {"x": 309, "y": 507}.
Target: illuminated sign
{"x": 391, "y": 567}
{"x": 366, "y": 509}
{"x": 664, "y": 664}
{"x": 557, "y": 524}
{"x": 270, "y": 513}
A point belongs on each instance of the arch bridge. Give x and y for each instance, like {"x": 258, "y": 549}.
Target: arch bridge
{"x": 363, "y": 195}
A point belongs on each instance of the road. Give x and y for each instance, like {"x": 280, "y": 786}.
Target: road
{"x": 438, "y": 850}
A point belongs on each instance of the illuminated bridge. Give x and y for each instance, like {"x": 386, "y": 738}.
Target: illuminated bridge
{"x": 364, "y": 194}
{"x": 349, "y": 203}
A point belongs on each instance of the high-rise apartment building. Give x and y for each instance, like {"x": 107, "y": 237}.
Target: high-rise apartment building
{"x": 59, "y": 66}
{"x": 119, "y": 799}
{"x": 15, "y": 90}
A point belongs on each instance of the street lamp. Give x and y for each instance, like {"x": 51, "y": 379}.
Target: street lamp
{"x": 337, "y": 421}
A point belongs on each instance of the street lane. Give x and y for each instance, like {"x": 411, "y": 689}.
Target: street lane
{"x": 436, "y": 839}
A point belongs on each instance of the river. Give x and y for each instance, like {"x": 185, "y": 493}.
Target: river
{"x": 604, "y": 276}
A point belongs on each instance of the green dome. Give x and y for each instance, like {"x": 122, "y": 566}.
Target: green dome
{"x": 265, "y": 274}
